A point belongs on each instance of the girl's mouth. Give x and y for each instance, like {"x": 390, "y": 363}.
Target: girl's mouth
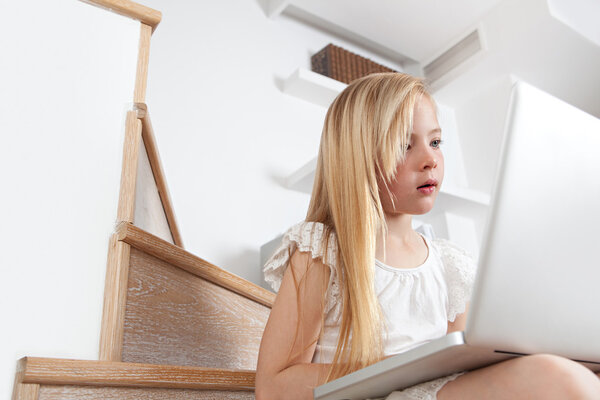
{"x": 428, "y": 187}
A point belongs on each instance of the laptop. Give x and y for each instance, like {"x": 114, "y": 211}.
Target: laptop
{"x": 537, "y": 288}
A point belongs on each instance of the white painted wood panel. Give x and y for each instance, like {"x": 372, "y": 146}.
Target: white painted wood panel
{"x": 149, "y": 212}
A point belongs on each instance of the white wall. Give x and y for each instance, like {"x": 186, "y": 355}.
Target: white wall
{"x": 481, "y": 120}
{"x": 227, "y": 135}
{"x": 524, "y": 39}
{"x": 66, "y": 75}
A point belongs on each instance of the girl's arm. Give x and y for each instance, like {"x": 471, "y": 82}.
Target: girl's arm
{"x": 284, "y": 367}
{"x": 460, "y": 322}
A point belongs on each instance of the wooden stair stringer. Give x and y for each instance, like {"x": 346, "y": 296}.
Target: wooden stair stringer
{"x": 168, "y": 306}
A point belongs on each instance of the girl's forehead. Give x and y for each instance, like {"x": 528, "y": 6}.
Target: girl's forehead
{"x": 425, "y": 120}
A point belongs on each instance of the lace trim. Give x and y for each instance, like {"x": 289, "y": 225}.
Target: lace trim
{"x": 306, "y": 237}
{"x": 458, "y": 264}
{"x": 460, "y": 271}
{"x": 423, "y": 391}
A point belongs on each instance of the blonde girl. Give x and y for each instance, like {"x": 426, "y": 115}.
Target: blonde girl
{"x": 356, "y": 283}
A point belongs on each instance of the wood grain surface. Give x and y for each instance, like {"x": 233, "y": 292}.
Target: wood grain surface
{"x": 157, "y": 171}
{"x": 115, "y": 297}
{"x": 24, "y": 391}
{"x": 130, "y": 9}
{"x": 141, "y": 75}
{"x": 176, "y": 256}
{"x": 110, "y": 393}
{"x": 56, "y": 371}
{"x": 175, "y": 317}
{"x": 133, "y": 135}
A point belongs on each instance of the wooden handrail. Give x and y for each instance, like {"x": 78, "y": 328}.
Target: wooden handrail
{"x": 55, "y": 371}
{"x": 177, "y": 256}
{"x": 127, "y": 8}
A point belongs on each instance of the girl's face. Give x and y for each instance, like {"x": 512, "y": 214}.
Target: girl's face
{"x": 418, "y": 179}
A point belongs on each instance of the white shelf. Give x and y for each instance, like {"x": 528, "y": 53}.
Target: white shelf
{"x": 313, "y": 87}
{"x": 274, "y": 8}
{"x": 302, "y": 179}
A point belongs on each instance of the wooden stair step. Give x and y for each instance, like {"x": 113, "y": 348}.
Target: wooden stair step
{"x": 53, "y": 378}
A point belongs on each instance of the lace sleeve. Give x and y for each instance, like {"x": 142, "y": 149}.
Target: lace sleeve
{"x": 306, "y": 237}
{"x": 459, "y": 270}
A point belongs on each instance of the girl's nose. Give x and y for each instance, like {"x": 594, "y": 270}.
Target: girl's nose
{"x": 429, "y": 161}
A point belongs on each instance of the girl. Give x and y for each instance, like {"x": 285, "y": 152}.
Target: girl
{"x": 356, "y": 283}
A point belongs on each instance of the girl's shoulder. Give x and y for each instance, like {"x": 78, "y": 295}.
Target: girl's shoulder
{"x": 459, "y": 269}
{"x": 453, "y": 256}
{"x": 308, "y": 237}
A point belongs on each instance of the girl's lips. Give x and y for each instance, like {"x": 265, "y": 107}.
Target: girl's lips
{"x": 426, "y": 189}
{"x": 429, "y": 182}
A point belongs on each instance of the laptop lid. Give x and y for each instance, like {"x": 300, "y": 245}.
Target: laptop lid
{"x": 538, "y": 283}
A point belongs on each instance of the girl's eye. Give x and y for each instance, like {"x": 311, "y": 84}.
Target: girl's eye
{"x": 436, "y": 143}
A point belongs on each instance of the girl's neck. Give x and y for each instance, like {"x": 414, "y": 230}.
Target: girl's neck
{"x": 399, "y": 227}
{"x": 402, "y": 247}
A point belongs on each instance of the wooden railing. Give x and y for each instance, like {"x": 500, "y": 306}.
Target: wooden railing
{"x": 139, "y": 12}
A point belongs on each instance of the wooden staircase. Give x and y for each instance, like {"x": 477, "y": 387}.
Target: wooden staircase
{"x": 174, "y": 326}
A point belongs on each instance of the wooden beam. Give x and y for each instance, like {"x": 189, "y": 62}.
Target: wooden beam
{"x": 131, "y": 146}
{"x": 145, "y": 15}
{"x": 141, "y": 75}
{"x": 53, "y": 371}
{"x": 24, "y": 391}
{"x": 180, "y": 258}
{"x": 157, "y": 171}
{"x": 115, "y": 300}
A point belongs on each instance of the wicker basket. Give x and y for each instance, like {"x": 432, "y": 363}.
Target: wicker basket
{"x": 342, "y": 65}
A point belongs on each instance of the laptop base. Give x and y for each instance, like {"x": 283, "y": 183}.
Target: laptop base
{"x": 441, "y": 357}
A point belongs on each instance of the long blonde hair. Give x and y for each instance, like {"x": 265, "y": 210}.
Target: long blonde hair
{"x": 365, "y": 134}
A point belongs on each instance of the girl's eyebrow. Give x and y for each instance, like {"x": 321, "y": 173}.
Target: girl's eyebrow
{"x": 435, "y": 131}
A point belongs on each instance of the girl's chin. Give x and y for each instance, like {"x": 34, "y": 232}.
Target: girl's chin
{"x": 418, "y": 207}
{"x": 423, "y": 208}
{"x": 422, "y": 212}
{"x": 412, "y": 211}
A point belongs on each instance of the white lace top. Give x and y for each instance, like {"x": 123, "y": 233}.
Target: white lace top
{"x": 416, "y": 303}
